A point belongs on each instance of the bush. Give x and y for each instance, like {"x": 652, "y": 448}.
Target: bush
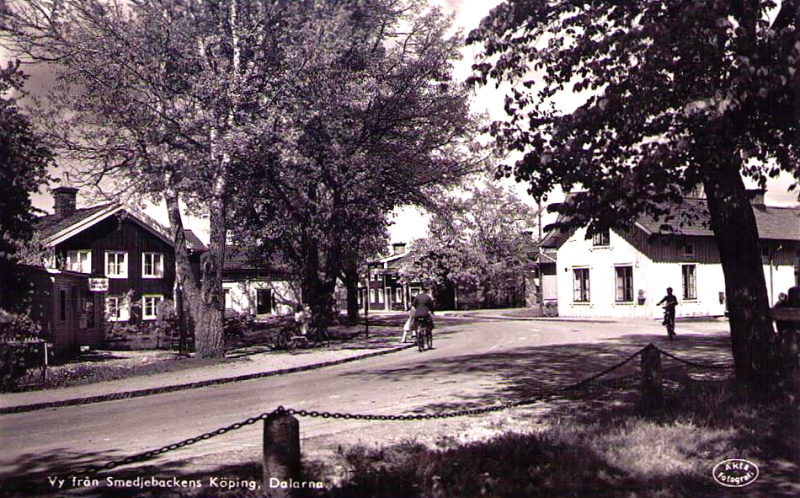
{"x": 236, "y": 324}
{"x": 14, "y": 362}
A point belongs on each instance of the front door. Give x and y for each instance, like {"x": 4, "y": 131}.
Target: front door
{"x": 263, "y": 301}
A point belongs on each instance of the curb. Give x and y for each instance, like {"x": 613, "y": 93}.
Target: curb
{"x": 193, "y": 385}
{"x": 533, "y": 319}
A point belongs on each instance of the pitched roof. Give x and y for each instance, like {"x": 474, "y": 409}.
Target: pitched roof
{"x": 243, "y": 258}
{"x": 774, "y": 223}
{"x": 691, "y": 218}
{"x": 52, "y": 224}
{"x": 193, "y": 243}
{"x": 54, "y": 228}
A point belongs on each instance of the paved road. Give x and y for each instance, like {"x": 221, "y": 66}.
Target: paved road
{"x": 474, "y": 362}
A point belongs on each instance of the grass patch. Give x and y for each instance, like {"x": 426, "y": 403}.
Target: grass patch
{"x": 581, "y": 452}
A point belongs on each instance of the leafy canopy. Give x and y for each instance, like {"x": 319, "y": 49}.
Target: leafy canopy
{"x": 667, "y": 91}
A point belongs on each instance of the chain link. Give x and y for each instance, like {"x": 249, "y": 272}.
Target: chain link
{"x": 140, "y": 457}
{"x": 693, "y": 363}
{"x": 361, "y": 416}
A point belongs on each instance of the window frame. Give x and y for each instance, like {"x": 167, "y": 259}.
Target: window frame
{"x": 686, "y": 295}
{"x": 122, "y": 307}
{"x": 692, "y": 252}
{"x": 625, "y": 282}
{"x": 583, "y": 293}
{"x": 124, "y": 273}
{"x": 77, "y": 253}
{"x": 160, "y": 274}
{"x": 145, "y": 298}
{"x": 602, "y": 239}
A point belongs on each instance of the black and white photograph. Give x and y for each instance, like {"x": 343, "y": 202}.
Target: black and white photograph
{"x": 399, "y": 248}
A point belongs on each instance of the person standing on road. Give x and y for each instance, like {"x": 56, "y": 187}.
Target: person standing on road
{"x": 409, "y": 325}
{"x": 669, "y": 301}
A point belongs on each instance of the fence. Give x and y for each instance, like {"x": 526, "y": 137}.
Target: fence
{"x": 281, "y": 433}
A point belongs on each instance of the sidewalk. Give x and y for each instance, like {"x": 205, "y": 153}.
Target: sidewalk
{"x": 501, "y": 314}
{"x": 251, "y": 366}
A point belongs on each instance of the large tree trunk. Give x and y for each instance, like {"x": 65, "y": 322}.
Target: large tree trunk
{"x": 734, "y": 224}
{"x": 206, "y": 314}
{"x": 351, "y": 284}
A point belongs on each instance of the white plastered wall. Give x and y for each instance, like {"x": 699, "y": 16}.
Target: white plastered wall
{"x": 241, "y": 295}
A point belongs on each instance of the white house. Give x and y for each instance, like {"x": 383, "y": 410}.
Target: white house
{"x": 256, "y": 287}
{"x": 625, "y": 273}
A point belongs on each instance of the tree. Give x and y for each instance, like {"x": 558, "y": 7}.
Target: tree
{"x": 24, "y": 162}
{"x": 482, "y": 242}
{"x": 165, "y": 98}
{"x": 379, "y": 123}
{"x": 676, "y": 94}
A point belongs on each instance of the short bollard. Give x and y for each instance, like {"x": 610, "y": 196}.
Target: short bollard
{"x": 652, "y": 391}
{"x": 281, "y": 455}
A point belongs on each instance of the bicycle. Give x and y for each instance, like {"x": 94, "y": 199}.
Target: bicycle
{"x": 424, "y": 333}
{"x": 669, "y": 322}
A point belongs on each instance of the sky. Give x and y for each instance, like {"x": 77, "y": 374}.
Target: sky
{"x": 409, "y": 223}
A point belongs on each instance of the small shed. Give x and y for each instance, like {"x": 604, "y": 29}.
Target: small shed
{"x": 70, "y": 315}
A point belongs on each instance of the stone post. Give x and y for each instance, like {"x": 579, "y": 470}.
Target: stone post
{"x": 281, "y": 455}
{"x": 652, "y": 391}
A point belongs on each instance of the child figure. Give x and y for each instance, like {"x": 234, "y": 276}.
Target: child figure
{"x": 301, "y": 319}
{"x": 409, "y": 325}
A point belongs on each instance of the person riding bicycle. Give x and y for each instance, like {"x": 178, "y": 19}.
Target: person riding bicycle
{"x": 423, "y": 307}
{"x": 670, "y": 302}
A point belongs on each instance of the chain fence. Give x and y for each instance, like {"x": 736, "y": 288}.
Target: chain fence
{"x": 279, "y": 411}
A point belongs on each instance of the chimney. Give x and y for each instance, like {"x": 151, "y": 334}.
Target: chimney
{"x": 65, "y": 200}
{"x": 398, "y": 248}
{"x": 756, "y": 196}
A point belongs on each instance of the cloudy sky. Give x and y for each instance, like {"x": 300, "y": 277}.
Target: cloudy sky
{"x": 408, "y": 223}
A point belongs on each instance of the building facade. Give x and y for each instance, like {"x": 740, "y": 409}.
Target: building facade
{"x": 625, "y": 273}
{"x": 110, "y": 266}
{"x": 256, "y": 287}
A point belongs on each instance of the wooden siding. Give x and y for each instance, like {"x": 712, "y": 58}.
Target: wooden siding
{"x": 122, "y": 234}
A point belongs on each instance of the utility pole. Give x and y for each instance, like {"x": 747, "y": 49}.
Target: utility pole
{"x": 366, "y": 303}
{"x": 539, "y": 288}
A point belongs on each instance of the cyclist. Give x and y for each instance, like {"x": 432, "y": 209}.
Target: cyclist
{"x": 669, "y": 301}
{"x": 423, "y": 307}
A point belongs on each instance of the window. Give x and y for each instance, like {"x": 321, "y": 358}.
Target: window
{"x": 152, "y": 265}
{"x": 150, "y": 306}
{"x": 380, "y": 296}
{"x": 79, "y": 261}
{"x": 116, "y": 264}
{"x": 117, "y": 309}
{"x": 373, "y": 295}
{"x": 689, "y": 274}
{"x": 62, "y": 305}
{"x": 398, "y": 295}
{"x": 624, "y": 284}
{"x": 581, "y": 285}
{"x": 601, "y": 238}
{"x": 688, "y": 249}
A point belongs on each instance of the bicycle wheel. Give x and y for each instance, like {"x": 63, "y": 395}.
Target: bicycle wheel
{"x": 421, "y": 338}
{"x": 429, "y": 336}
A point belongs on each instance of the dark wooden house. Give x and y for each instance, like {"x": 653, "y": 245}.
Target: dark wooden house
{"x": 120, "y": 262}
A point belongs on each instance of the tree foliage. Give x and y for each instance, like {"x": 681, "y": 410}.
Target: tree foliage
{"x": 671, "y": 95}
{"x": 377, "y": 122}
{"x": 24, "y": 162}
{"x": 482, "y": 244}
{"x": 168, "y": 99}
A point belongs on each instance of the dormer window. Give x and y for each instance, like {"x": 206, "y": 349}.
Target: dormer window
{"x": 688, "y": 249}
{"x": 601, "y": 239}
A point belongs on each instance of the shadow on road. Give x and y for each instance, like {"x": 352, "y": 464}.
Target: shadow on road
{"x": 525, "y": 372}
